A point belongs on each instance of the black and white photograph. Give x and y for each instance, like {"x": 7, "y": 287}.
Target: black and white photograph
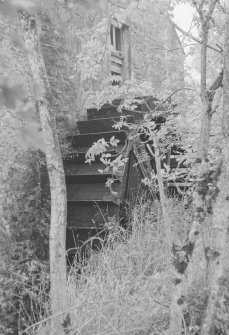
{"x": 114, "y": 167}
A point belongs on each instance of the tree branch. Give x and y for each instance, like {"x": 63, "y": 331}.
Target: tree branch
{"x": 218, "y": 82}
{"x": 211, "y": 10}
{"x": 200, "y": 8}
{"x": 166, "y": 99}
{"x": 195, "y": 38}
{"x": 202, "y": 4}
{"x": 217, "y": 101}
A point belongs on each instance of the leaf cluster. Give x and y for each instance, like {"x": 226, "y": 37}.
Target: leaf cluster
{"x": 24, "y": 246}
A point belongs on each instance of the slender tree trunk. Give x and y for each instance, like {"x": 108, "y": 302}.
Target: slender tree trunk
{"x": 206, "y": 103}
{"x": 200, "y": 210}
{"x": 176, "y": 306}
{"x": 57, "y": 235}
{"x": 220, "y": 222}
{"x": 163, "y": 198}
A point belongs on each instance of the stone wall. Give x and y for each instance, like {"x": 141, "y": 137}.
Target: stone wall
{"x": 76, "y": 48}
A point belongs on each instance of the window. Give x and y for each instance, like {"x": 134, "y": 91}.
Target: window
{"x": 116, "y": 37}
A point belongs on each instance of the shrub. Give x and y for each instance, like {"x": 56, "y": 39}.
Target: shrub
{"x": 125, "y": 287}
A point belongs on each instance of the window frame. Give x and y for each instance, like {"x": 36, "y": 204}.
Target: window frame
{"x": 116, "y": 38}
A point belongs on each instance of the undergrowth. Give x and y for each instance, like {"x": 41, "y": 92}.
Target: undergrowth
{"x": 125, "y": 287}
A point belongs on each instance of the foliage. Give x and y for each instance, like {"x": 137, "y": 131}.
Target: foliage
{"x": 92, "y": 62}
{"x": 26, "y": 217}
{"x": 173, "y": 133}
{"x": 24, "y": 225}
{"x": 24, "y": 248}
{"x": 131, "y": 274}
{"x": 125, "y": 288}
{"x": 222, "y": 305}
{"x": 25, "y": 298}
{"x": 94, "y": 50}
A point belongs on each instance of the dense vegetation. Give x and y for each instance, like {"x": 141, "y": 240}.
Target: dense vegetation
{"x": 53, "y": 66}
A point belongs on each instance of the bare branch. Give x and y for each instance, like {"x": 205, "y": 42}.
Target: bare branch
{"x": 202, "y": 4}
{"x": 190, "y": 28}
{"x": 211, "y": 10}
{"x": 167, "y": 99}
{"x": 218, "y": 82}
{"x": 173, "y": 93}
{"x": 219, "y": 47}
{"x": 195, "y": 38}
{"x": 200, "y": 8}
{"x": 216, "y": 101}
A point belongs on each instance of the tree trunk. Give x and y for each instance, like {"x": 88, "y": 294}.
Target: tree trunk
{"x": 58, "y": 291}
{"x": 176, "y": 306}
{"x": 220, "y": 222}
{"x": 163, "y": 197}
{"x": 200, "y": 210}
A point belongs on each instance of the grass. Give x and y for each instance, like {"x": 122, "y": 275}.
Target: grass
{"x": 125, "y": 288}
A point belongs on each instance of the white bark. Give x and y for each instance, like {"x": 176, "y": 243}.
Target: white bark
{"x": 176, "y": 306}
{"x": 58, "y": 291}
{"x": 163, "y": 198}
{"x": 178, "y": 296}
{"x": 220, "y": 222}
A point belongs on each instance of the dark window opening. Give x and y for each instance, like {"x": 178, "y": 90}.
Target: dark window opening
{"x": 116, "y": 36}
{"x": 118, "y": 39}
{"x": 111, "y": 33}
